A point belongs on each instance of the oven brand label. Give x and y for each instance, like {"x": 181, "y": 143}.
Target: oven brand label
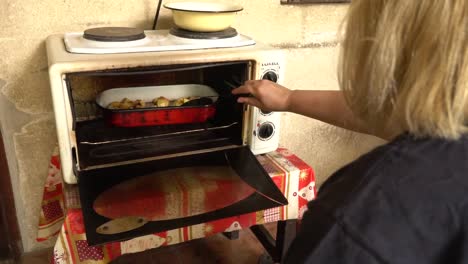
{"x": 266, "y": 64}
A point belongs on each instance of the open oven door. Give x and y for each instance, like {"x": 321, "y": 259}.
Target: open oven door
{"x": 128, "y": 201}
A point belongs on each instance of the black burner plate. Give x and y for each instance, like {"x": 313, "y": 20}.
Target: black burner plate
{"x": 114, "y": 34}
{"x": 227, "y": 33}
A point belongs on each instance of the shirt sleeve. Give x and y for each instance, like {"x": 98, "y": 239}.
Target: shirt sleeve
{"x": 323, "y": 240}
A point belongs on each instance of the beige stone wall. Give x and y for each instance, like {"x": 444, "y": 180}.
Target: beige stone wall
{"x": 307, "y": 33}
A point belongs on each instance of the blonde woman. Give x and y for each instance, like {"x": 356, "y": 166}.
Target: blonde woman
{"x": 404, "y": 77}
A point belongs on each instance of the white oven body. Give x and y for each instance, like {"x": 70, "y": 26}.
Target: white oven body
{"x": 261, "y": 130}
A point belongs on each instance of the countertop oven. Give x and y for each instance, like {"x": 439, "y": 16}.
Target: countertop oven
{"x": 124, "y": 161}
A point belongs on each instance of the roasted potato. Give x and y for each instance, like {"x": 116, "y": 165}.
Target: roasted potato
{"x": 114, "y": 105}
{"x": 161, "y": 101}
{"x": 126, "y": 105}
{"x": 126, "y": 100}
{"x": 181, "y": 101}
{"x": 139, "y": 104}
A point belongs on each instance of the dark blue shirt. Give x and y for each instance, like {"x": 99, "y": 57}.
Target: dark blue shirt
{"x": 403, "y": 202}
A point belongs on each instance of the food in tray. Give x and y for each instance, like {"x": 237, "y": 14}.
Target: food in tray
{"x": 114, "y": 105}
{"x": 184, "y": 100}
{"x": 124, "y": 104}
{"x": 180, "y": 101}
{"x": 139, "y": 104}
{"x": 193, "y": 98}
{"x": 161, "y": 102}
{"x": 157, "y": 102}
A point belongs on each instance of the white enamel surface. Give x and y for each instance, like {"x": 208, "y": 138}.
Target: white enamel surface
{"x": 148, "y": 93}
{"x": 155, "y": 41}
{"x": 204, "y": 6}
{"x": 80, "y": 40}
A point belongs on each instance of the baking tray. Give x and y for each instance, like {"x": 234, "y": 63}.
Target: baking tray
{"x": 151, "y": 115}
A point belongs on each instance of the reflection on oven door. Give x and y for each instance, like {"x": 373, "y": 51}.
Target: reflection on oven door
{"x": 169, "y": 194}
{"x": 132, "y": 200}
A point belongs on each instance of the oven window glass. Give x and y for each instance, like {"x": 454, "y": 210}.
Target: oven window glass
{"x": 138, "y": 199}
{"x": 170, "y": 195}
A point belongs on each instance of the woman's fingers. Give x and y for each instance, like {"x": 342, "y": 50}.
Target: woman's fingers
{"x": 263, "y": 94}
{"x": 241, "y": 90}
{"x": 250, "y": 101}
{"x": 249, "y": 87}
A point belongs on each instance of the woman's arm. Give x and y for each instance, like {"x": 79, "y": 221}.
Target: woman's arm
{"x": 327, "y": 106}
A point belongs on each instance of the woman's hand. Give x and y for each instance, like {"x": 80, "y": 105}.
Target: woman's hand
{"x": 266, "y": 95}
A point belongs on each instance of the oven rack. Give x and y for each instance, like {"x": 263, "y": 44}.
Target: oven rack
{"x": 101, "y": 145}
{"x": 98, "y": 133}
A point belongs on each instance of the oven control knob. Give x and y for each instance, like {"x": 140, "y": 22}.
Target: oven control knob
{"x": 271, "y": 76}
{"x": 265, "y": 131}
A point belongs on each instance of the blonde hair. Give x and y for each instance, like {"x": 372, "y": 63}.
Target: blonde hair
{"x": 404, "y": 64}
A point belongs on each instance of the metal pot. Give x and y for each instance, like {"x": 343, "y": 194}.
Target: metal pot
{"x": 203, "y": 16}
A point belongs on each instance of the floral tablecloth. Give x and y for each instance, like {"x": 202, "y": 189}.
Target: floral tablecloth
{"x": 62, "y": 219}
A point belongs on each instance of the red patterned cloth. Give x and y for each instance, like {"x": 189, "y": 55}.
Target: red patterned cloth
{"x": 52, "y": 213}
{"x": 291, "y": 175}
{"x": 272, "y": 215}
{"x": 86, "y": 252}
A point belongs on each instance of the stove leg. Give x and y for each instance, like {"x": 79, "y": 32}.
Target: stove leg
{"x": 285, "y": 233}
{"x": 266, "y": 240}
{"x": 265, "y": 258}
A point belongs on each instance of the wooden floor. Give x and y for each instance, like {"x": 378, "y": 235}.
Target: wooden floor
{"x": 212, "y": 250}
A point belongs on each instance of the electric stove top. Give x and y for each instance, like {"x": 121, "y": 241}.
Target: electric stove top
{"x": 126, "y": 40}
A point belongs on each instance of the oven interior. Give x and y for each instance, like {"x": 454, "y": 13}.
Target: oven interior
{"x": 100, "y": 144}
